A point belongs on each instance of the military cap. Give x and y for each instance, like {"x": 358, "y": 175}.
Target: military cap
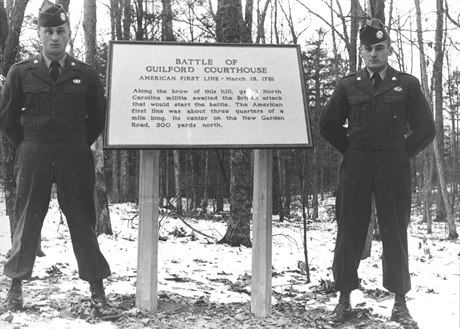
{"x": 373, "y": 32}
{"x": 51, "y": 15}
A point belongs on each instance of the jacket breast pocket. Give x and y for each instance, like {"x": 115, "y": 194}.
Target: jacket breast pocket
{"x": 394, "y": 110}
{"x": 35, "y": 97}
{"x": 359, "y": 114}
{"x": 77, "y": 95}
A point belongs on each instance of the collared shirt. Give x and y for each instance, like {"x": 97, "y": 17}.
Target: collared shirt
{"x": 382, "y": 73}
{"x": 61, "y": 61}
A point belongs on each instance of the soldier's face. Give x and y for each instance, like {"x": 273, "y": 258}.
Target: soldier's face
{"x": 54, "y": 40}
{"x": 375, "y": 56}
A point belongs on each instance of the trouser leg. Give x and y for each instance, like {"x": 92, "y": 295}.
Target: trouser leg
{"x": 33, "y": 188}
{"x": 353, "y": 210}
{"x": 393, "y": 203}
{"x": 75, "y": 185}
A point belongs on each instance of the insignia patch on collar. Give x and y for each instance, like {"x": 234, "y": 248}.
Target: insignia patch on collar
{"x": 398, "y": 89}
{"x": 76, "y": 81}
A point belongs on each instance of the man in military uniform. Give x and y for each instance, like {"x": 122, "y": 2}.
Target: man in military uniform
{"x": 378, "y": 118}
{"x": 52, "y": 109}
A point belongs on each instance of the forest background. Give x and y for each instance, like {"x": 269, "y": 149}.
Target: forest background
{"x": 426, "y": 43}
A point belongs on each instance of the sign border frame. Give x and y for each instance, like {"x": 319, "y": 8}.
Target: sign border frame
{"x": 106, "y": 144}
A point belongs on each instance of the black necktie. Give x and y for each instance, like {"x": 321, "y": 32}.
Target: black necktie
{"x": 377, "y": 79}
{"x": 54, "y": 72}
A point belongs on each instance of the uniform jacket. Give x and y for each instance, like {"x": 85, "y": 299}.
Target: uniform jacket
{"x": 395, "y": 116}
{"x": 34, "y": 107}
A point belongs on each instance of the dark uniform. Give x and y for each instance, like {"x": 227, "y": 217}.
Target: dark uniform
{"x": 377, "y": 131}
{"x": 52, "y": 124}
{"x": 52, "y": 109}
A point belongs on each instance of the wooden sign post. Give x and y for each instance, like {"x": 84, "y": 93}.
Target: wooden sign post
{"x": 176, "y": 96}
{"x": 147, "y": 253}
{"x": 261, "y": 281}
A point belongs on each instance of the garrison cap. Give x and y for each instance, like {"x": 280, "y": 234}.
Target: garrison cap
{"x": 51, "y": 15}
{"x": 373, "y": 32}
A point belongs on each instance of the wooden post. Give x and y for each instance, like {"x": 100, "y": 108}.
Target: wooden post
{"x": 261, "y": 282}
{"x": 147, "y": 254}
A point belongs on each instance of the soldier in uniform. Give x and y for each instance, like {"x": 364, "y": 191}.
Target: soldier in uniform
{"x": 378, "y": 118}
{"x": 52, "y": 109}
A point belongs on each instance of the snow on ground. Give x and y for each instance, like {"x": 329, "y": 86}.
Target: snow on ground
{"x": 193, "y": 265}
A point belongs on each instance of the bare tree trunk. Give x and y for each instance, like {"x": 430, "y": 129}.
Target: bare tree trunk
{"x": 302, "y": 158}
{"x": 115, "y": 161}
{"x": 3, "y": 35}
{"x": 275, "y": 24}
{"x": 204, "y": 205}
{"x": 437, "y": 72}
{"x": 439, "y": 139}
{"x": 125, "y": 179}
{"x": 229, "y": 23}
{"x": 370, "y": 231}
{"x": 377, "y": 9}
{"x": 115, "y": 20}
{"x": 261, "y": 15}
{"x": 194, "y": 165}
{"x": 126, "y": 19}
{"x": 177, "y": 181}
{"x": 453, "y": 85}
{"x": 426, "y": 189}
{"x": 238, "y": 224}
{"x": 354, "y": 28}
{"x": 334, "y": 39}
{"x": 121, "y": 182}
{"x": 100, "y": 192}
{"x": 139, "y": 19}
{"x": 221, "y": 182}
{"x": 445, "y": 196}
{"x": 424, "y": 79}
{"x": 167, "y": 22}
{"x": 281, "y": 183}
{"x": 115, "y": 28}
{"x": 167, "y": 188}
{"x": 288, "y": 175}
{"x": 167, "y": 34}
{"x": 9, "y": 49}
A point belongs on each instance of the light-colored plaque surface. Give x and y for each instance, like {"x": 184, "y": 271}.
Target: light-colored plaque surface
{"x": 173, "y": 95}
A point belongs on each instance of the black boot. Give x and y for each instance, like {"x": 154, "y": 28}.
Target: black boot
{"x": 343, "y": 308}
{"x": 14, "y": 300}
{"x": 400, "y": 313}
{"x": 100, "y": 304}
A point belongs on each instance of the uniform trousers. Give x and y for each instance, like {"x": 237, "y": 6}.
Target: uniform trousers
{"x": 387, "y": 175}
{"x": 70, "y": 165}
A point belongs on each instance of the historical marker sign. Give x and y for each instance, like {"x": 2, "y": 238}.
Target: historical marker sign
{"x": 176, "y": 95}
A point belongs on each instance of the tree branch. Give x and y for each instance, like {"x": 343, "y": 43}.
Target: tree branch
{"x": 450, "y": 18}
